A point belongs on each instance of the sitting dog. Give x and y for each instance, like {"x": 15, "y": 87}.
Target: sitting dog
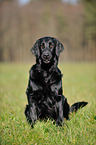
{"x": 44, "y": 91}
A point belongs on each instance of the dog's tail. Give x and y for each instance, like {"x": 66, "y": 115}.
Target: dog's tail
{"x": 77, "y": 106}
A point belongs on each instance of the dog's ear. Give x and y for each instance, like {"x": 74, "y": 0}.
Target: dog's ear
{"x": 59, "y": 47}
{"x": 35, "y": 49}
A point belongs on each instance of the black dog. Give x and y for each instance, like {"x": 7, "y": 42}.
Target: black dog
{"x": 44, "y": 92}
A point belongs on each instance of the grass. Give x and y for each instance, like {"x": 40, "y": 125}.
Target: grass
{"x": 79, "y": 83}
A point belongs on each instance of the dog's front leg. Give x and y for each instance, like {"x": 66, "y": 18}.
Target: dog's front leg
{"x": 59, "y": 111}
{"x": 33, "y": 113}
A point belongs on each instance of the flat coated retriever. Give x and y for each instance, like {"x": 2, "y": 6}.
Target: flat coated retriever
{"x": 44, "y": 91}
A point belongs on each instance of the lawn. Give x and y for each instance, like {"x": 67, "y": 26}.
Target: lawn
{"x": 79, "y": 83}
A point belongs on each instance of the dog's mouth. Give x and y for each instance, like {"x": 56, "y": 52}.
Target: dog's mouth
{"x": 46, "y": 57}
{"x": 46, "y": 61}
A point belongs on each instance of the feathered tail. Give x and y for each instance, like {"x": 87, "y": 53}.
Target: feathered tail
{"x": 77, "y": 106}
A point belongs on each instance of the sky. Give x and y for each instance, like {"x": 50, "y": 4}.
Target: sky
{"x": 23, "y": 2}
{"x": 71, "y": 1}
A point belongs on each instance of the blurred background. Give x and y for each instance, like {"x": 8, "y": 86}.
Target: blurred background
{"x": 72, "y": 22}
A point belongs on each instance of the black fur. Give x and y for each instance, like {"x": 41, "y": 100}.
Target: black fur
{"x": 44, "y": 91}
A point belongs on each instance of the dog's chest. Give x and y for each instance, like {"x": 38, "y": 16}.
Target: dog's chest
{"x": 46, "y": 77}
{"x": 44, "y": 80}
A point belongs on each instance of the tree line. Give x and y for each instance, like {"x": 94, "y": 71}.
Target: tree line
{"x": 21, "y": 26}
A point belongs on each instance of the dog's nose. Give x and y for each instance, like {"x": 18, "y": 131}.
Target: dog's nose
{"x": 46, "y": 56}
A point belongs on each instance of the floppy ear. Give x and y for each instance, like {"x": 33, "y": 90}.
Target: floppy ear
{"x": 59, "y": 48}
{"x": 35, "y": 49}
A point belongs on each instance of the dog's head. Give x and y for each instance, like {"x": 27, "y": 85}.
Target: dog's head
{"x": 47, "y": 48}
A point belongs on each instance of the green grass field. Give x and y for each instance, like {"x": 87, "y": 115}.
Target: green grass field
{"x": 79, "y": 83}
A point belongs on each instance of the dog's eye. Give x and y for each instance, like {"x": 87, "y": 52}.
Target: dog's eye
{"x": 42, "y": 46}
{"x": 51, "y": 46}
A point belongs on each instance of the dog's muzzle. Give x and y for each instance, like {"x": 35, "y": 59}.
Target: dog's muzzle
{"x": 46, "y": 56}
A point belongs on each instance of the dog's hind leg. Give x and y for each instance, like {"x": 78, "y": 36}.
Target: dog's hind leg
{"x": 27, "y": 114}
{"x": 66, "y": 108}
